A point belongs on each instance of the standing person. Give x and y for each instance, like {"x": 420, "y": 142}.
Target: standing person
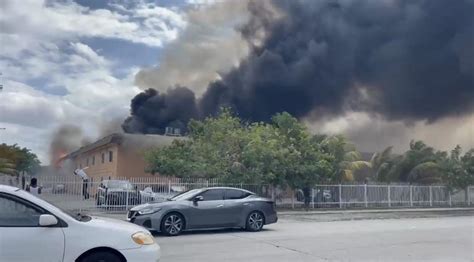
{"x": 85, "y": 182}
{"x": 33, "y": 187}
{"x": 23, "y": 181}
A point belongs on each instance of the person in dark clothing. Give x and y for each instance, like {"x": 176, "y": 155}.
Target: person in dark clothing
{"x": 33, "y": 187}
{"x": 85, "y": 182}
{"x": 23, "y": 182}
{"x": 307, "y": 196}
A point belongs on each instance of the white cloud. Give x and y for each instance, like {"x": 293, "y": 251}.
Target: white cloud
{"x": 25, "y": 24}
{"x": 42, "y": 48}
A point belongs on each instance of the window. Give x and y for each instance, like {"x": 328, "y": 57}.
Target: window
{"x": 111, "y": 156}
{"x": 236, "y": 194}
{"x": 213, "y": 194}
{"x": 103, "y": 158}
{"x": 93, "y": 160}
{"x": 16, "y": 213}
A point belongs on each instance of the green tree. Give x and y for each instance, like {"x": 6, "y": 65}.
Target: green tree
{"x": 347, "y": 160}
{"x": 20, "y": 159}
{"x": 279, "y": 153}
{"x": 6, "y": 167}
{"x": 458, "y": 170}
{"x": 420, "y": 164}
{"x": 305, "y": 163}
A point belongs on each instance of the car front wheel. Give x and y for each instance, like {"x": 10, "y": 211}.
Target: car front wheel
{"x": 172, "y": 224}
{"x": 102, "y": 256}
{"x": 255, "y": 221}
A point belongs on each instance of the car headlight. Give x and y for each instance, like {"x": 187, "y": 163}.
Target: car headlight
{"x": 143, "y": 238}
{"x": 148, "y": 210}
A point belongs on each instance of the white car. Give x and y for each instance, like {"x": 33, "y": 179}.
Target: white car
{"x": 31, "y": 229}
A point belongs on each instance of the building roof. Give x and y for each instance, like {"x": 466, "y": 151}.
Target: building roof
{"x": 138, "y": 141}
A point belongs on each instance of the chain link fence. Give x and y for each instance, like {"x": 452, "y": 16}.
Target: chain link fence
{"x": 117, "y": 195}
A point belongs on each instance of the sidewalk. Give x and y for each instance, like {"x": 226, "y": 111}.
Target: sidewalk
{"x": 365, "y": 211}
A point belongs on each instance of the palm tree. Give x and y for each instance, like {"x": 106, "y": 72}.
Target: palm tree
{"x": 6, "y": 167}
{"x": 347, "y": 158}
{"x": 420, "y": 164}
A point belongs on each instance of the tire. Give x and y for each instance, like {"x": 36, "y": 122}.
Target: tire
{"x": 172, "y": 224}
{"x": 255, "y": 221}
{"x": 102, "y": 256}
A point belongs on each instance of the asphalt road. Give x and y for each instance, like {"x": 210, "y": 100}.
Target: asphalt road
{"x": 296, "y": 240}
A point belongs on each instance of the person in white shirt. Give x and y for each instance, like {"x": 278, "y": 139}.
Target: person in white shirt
{"x": 85, "y": 181}
{"x": 33, "y": 187}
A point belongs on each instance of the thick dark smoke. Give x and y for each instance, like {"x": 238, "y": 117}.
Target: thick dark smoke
{"x": 403, "y": 60}
{"x": 152, "y": 112}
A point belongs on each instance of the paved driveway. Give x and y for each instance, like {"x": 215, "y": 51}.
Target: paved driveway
{"x": 415, "y": 239}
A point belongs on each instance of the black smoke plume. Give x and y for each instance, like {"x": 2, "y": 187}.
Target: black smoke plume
{"x": 404, "y": 60}
{"x": 152, "y": 112}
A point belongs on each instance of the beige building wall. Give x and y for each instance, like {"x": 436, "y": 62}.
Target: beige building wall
{"x": 101, "y": 162}
{"x": 124, "y": 163}
{"x": 131, "y": 163}
{"x": 118, "y": 156}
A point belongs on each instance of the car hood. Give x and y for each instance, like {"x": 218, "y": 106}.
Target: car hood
{"x": 114, "y": 224}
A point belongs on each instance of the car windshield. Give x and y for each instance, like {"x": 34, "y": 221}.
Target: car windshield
{"x": 119, "y": 184}
{"x": 185, "y": 195}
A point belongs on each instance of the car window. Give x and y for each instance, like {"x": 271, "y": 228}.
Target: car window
{"x": 235, "y": 194}
{"x": 213, "y": 194}
{"x": 119, "y": 184}
{"x": 185, "y": 195}
{"x": 17, "y": 214}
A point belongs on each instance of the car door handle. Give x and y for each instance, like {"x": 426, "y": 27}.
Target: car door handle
{"x": 246, "y": 204}
{"x": 220, "y": 205}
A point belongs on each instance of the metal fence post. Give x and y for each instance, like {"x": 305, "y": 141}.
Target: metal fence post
{"x": 431, "y": 196}
{"x": 365, "y": 195}
{"x": 450, "y": 201}
{"x": 312, "y": 198}
{"x": 293, "y": 199}
{"x": 411, "y": 195}
{"x": 340, "y": 196}
{"x": 468, "y": 195}
{"x": 169, "y": 187}
{"x": 126, "y": 201}
{"x": 388, "y": 196}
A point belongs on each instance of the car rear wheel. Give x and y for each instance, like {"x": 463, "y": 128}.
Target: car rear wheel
{"x": 172, "y": 224}
{"x": 102, "y": 256}
{"x": 255, "y": 221}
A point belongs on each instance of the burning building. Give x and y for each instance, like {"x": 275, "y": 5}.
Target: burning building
{"x": 114, "y": 156}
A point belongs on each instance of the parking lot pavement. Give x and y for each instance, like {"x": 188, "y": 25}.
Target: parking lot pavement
{"x": 413, "y": 239}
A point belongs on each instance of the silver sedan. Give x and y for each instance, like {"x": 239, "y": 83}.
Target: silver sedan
{"x": 206, "y": 208}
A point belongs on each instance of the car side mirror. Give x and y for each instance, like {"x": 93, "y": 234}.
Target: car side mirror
{"x": 47, "y": 220}
{"x": 198, "y": 198}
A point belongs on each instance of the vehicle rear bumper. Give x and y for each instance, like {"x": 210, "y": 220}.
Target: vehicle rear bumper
{"x": 270, "y": 219}
{"x": 150, "y": 253}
